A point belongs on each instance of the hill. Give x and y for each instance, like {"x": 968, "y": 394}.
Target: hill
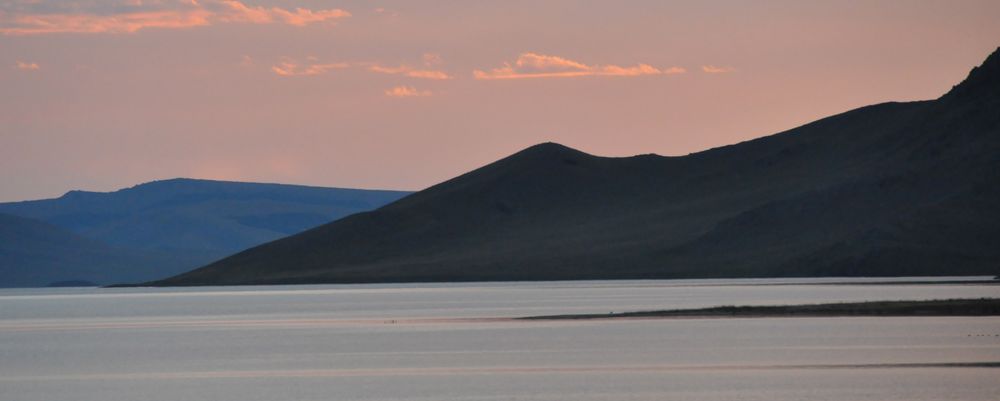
{"x": 172, "y": 226}
{"x": 34, "y": 254}
{"x": 889, "y": 189}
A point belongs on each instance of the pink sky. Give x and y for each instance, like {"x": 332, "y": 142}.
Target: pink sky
{"x": 100, "y": 95}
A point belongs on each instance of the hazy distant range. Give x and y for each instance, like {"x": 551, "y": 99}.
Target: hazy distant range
{"x": 159, "y": 229}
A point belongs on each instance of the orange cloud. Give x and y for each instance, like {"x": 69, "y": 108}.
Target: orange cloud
{"x": 290, "y": 68}
{"x": 183, "y": 15}
{"x": 406, "y": 91}
{"x": 534, "y": 65}
{"x": 22, "y": 65}
{"x": 409, "y": 72}
{"x": 86, "y": 23}
{"x": 236, "y": 11}
{"x": 711, "y": 69}
{"x": 302, "y": 16}
{"x": 431, "y": 59}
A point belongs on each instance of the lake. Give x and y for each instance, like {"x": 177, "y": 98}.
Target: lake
{"x": 416, "y": 342}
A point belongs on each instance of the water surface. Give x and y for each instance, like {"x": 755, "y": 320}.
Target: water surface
{"x": 404, "y": 342}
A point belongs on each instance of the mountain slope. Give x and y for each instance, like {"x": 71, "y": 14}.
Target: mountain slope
{"x": 889, "y": 189}
{"x": 166, "y": 227}
{"x": 212, "y": 217}
{"x": 34, "y": 254}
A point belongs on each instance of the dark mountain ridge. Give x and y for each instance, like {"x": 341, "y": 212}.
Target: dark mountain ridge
{"x": 889, "y": 189}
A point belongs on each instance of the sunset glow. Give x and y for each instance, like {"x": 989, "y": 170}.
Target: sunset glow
{"x": 104, "y": 94}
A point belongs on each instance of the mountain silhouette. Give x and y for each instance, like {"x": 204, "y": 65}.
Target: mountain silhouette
{"x": 163, "y": 228}
{"x": 890, "y": 189}
{"x": 34, "y": 253}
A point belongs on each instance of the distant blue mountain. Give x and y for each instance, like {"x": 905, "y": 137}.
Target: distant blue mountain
{"x": 175, "y": 225}
{"x": 34, "y": 253}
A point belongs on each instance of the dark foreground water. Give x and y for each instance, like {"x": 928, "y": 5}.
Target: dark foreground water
{"x": 411, "y": 342}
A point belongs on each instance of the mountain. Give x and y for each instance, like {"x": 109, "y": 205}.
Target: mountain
{"x": 34, "y": 253}
{"x": 172, "y": 226}
{"x": 889, "y": 189}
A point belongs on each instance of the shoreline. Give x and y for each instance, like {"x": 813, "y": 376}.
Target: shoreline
{"x": 875, "y": 280}
{"x": 937, "y": 307}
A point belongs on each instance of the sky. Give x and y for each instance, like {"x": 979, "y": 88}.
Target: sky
{"x": 105, "y": 94}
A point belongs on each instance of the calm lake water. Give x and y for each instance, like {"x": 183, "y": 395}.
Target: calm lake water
{"x": 412, "y": 342}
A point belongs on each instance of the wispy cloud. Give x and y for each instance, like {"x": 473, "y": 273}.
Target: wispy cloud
{"x": 290, "y": 68}
{"x": 27, "y": 66}
{"x": 236, "y": 11}
{"x": 137, "y": 16}
{"x": 87, "y": 23}
{"x": 406, "y": 91}
{"x": 711, "y": 69}
{"x": 534, "y": 65}
{"x": 432, "y": 59}
{"x": 386, "y": 12}
{"x": 409, "y": 72}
